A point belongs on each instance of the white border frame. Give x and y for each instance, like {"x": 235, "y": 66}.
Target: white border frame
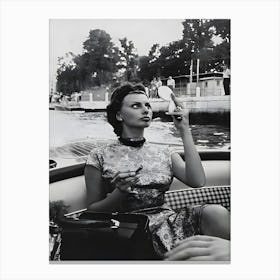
{"x": 24, "y": 138}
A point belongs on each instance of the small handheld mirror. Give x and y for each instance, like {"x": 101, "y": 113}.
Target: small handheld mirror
{"x": 165, "y": 92}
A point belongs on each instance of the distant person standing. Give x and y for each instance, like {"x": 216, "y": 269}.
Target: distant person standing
{"x": 153, "y": 93}
{"x": 147, "y": 91}
{"x": 226, "y": 79}
{"x": 76, "y": 97}
{"x": 159, "y": 82}
{"x": 171, "y": 83}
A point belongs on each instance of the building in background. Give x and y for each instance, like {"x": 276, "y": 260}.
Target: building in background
{"x": 210, "y": 84}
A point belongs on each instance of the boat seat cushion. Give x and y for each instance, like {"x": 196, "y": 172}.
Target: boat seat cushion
{"x": 210, "y": 195}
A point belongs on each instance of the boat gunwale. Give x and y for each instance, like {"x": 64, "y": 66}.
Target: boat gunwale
{"x": 75, "y": 170}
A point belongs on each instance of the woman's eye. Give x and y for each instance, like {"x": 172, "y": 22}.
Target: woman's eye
{"x": 135, "y": 106}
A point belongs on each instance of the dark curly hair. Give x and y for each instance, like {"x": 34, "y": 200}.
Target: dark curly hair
{"x": 116, "y": 103}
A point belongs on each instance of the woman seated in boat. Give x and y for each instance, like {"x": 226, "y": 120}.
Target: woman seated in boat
{"x": 132, "y": 175}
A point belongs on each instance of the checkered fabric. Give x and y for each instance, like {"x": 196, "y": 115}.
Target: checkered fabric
{"x": 210, "y": 195}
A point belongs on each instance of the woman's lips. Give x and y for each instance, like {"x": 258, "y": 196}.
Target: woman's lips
{"x": 146, "y": 119}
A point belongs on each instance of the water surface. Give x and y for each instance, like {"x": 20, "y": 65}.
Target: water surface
{"x": 88, "y": 129}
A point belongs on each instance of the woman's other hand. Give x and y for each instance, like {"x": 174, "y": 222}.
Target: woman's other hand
{"x": 124, "y": 180}
{"x": 200, "y": 248}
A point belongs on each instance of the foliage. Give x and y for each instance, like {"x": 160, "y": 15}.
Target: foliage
{"x": 198, "y": 42}
{"x": 94, "y": 67}
{"x": 145, "y": 72}
{"x": 173, "y": 59}
{"x": 102, "y": 63}
{"x": 67, "y": 81}
{"x": 67, "y": 74}
{"x": 221, "y": 28}
{"x": 128, "y": 59}
{"x": 99, "y": 56}
{"x": 197, "y": 35}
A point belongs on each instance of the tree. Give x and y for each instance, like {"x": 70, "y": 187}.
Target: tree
{"x": 199, "y": 41}
{"x": 200, "y": 36}
{"x": 129, "y": 59}
{"x": 145, "y": 72}
{"x": 99, "y": 58}
{"x": 197, "y": 35}
{"x": 154, "y": 61}
{"x": 173, "y": 59}
{"x": 96, "y": 66}
{"x": 221, "y": 28}
{"x": 170, "y": 60}
{"x": 67, "y": 78}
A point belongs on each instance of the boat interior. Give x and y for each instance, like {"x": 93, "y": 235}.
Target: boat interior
{"x": 67, "y": 184}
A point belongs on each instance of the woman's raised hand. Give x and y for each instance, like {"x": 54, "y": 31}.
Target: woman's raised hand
{"x": 180, "y": 114}
{"x": 201, "y": 248}
{"x": 124, "y": 180}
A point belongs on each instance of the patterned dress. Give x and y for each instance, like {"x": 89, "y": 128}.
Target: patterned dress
{"x": 147, "y": 196}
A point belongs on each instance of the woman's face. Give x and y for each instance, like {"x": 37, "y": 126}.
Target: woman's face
{"x": 136, "y": 111}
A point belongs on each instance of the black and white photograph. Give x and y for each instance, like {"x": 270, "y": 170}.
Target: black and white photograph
{"x": 140, "y": 140}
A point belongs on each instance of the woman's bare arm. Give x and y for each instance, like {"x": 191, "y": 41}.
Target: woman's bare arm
{"x": 190, "y": 171}
{"x": 97, "y": 198}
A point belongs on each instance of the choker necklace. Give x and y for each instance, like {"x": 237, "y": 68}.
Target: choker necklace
{"x": 133, "y": 142}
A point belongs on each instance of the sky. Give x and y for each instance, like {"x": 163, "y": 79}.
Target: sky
{"x": 68, "y": 35}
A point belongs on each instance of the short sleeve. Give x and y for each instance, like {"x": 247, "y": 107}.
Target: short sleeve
{"x": 170, "y": 150}
{"x": 95, "y": 159}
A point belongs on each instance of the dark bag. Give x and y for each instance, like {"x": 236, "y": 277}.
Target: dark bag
{"x": 106, "y": 236}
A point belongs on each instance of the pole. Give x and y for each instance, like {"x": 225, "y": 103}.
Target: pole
{"x": 197, "y": 73}
{"x": 197, "y": 90}
{"x": 191, "y": 70}
{"x": 190, "y": 83}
